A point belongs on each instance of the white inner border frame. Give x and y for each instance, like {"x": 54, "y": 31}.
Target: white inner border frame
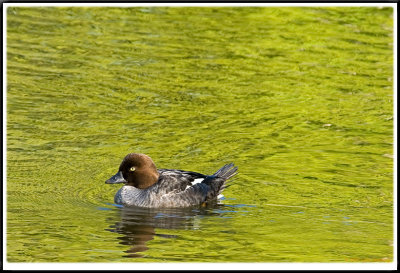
{"x": 203, "y": 266}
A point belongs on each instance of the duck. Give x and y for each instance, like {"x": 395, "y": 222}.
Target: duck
{"x": 147, "y": 186}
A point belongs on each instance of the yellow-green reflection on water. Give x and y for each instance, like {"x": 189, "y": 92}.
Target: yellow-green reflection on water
{"x": 301, "y": 99}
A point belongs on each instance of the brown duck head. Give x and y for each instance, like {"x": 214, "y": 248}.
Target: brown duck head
{"x": 136, "y": 170}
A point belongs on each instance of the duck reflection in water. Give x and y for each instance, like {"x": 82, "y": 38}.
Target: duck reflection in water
{"x": 138, "y": 225}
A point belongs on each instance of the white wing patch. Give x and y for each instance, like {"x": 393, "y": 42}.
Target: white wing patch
{"x": 198, "y": 180}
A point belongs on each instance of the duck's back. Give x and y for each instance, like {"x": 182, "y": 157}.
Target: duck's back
{"x": 184, "y": 188}
{"x": 178, "y": 180}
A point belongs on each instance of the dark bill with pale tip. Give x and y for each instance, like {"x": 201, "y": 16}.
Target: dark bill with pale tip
{"x": 117, "y": 178}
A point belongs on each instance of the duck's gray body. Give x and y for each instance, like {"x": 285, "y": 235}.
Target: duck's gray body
{"x": 177, "y": 188}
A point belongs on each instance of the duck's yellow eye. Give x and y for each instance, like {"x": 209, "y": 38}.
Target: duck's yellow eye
{"x": 132, "y": 169}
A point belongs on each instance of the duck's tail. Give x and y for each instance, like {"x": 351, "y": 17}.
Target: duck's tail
{"x": 217, "y": 181}
{"x": 227, "y": 171}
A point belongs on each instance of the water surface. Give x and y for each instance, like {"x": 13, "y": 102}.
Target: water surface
{"x": 300, "y": 99}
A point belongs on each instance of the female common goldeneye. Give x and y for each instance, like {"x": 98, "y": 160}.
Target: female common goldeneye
{"x": 145, "y": 186}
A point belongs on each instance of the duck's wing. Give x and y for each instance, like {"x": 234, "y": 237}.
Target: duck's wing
{"x": 178, "y": 180}
{"x": 194, "y": 194}
{"x": 183, "y": 188}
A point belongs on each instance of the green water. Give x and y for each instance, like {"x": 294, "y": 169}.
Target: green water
{"x": 300, "y": 99}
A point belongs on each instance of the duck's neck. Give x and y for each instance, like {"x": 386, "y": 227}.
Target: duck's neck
{"x": 143, "y": 180}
